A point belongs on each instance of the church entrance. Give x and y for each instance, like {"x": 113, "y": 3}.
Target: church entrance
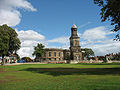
{"x": 77, "y": 57}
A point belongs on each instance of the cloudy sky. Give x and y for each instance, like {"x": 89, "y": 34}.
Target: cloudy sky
{"x": 49, "y": 22}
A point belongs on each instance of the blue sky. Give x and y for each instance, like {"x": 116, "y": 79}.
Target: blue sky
{"x": 49, "y": 22}
{"x": 58, "y": 16}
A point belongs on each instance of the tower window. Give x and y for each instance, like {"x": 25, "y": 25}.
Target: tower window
{"x": 75, "y": 42}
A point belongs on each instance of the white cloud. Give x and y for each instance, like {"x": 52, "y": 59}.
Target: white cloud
{"x": 29, "y": 39}
{"x": 59, "y": 40}
{"x": 9, "y": 13}
{"x": 25, "y": 52}
{"x": 30, "y": 35}
{"x": 99, "y": 40}
{"x": 105, "y": 48}
{"x": 95, "y": 33}
{"x": 81, "y": 26}
{"x": 29, "y": 43}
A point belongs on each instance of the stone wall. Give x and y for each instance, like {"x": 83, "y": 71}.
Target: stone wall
{"x": 53, "y": 54}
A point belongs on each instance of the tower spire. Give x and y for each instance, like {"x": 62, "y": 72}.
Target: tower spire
{"x": 74, "y": 26}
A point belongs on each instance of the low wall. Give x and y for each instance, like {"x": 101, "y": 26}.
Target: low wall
{"x": 113, "y": 61}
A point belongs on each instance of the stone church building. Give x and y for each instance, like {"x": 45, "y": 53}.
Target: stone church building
{"x": 73, "y": 54}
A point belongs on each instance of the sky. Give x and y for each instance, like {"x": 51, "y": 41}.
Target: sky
{"x": 49, "y": 22}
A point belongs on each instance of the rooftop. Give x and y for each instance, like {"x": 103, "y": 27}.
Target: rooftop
{"x": 74, "y": 26}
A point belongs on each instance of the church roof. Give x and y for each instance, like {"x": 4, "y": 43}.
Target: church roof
{"x": 74, "y": 26}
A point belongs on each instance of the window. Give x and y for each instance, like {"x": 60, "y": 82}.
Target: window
{"x": 55, "y": 59}
{"x": 55, "y": 54}
{"x": 49, "y": 58}
{"x": 49, "y": 54}
{"x": 59, "y": 53}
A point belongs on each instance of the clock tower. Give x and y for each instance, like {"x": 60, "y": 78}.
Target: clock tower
{"x": 75, "y": 49}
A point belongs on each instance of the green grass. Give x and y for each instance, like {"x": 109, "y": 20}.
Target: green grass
{"x": 60, "y": 77}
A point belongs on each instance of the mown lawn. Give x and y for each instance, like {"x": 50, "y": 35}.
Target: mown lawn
{"x": 60, "y": 77}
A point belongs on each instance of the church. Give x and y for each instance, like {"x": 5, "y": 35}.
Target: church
{"x": 73, "y": 54}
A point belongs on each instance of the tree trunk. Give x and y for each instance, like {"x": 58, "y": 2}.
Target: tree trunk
{"x": 3, "y": 60}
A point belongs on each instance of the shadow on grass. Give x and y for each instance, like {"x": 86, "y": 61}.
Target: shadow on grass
{"x": 75, "y": 71}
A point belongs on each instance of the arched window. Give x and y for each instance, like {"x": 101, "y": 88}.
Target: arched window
{"x": 55, "y": 54}
{"x": 49, "y": 54}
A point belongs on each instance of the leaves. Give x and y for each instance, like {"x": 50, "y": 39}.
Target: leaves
{"x": 4, "y": 40}
{"x": 9, "y": 41}
{"x": 87, "y": 52}
{"x": 110, "y": 11}
{"x": 38, "y": 50}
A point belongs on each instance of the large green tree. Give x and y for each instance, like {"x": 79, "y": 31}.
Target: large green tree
{"x": 110, "y": 10}
{"x": 14, "y": 41}
{"x": 9, "y": 41}
{"x": 39, "y": 50}
{"x": 87, "y": 52}
{"x": 4, "y": 43}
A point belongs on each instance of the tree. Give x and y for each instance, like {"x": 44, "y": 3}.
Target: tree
{"x": 17, "y": 56}
{"x": 87, "y": 52}
{"x": 110, "y": 11}
{"x": 39, "y": 50}
{"x": 9, "y": 41}
{"x": 14, "y": 42}
{"x": 67, "y": 57}
{"x": 4, "y": 41}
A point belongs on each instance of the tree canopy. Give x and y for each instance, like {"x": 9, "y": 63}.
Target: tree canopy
{"x": 4, "y": 42}
{"x": 9, "y": 41}
{"x": 110, "y": 11}
{"x": 39, "y": 50}
{"x": 87, "y": 52}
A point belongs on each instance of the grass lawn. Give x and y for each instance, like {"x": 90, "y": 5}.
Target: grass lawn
{"x": 60, "y": 77}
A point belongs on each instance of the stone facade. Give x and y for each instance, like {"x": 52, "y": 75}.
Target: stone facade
{"x": 73, "y": 53}
{"x": 53, "y": 54}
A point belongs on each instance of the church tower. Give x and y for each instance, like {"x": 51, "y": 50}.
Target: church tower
{"x": 75, "y": 49}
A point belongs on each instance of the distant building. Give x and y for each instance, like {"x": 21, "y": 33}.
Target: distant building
{"x": 72, "y": 54}
{"x": 12, "y": 58}
{"x": 113, "y": 57}
{"x": 54, "y": 54}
